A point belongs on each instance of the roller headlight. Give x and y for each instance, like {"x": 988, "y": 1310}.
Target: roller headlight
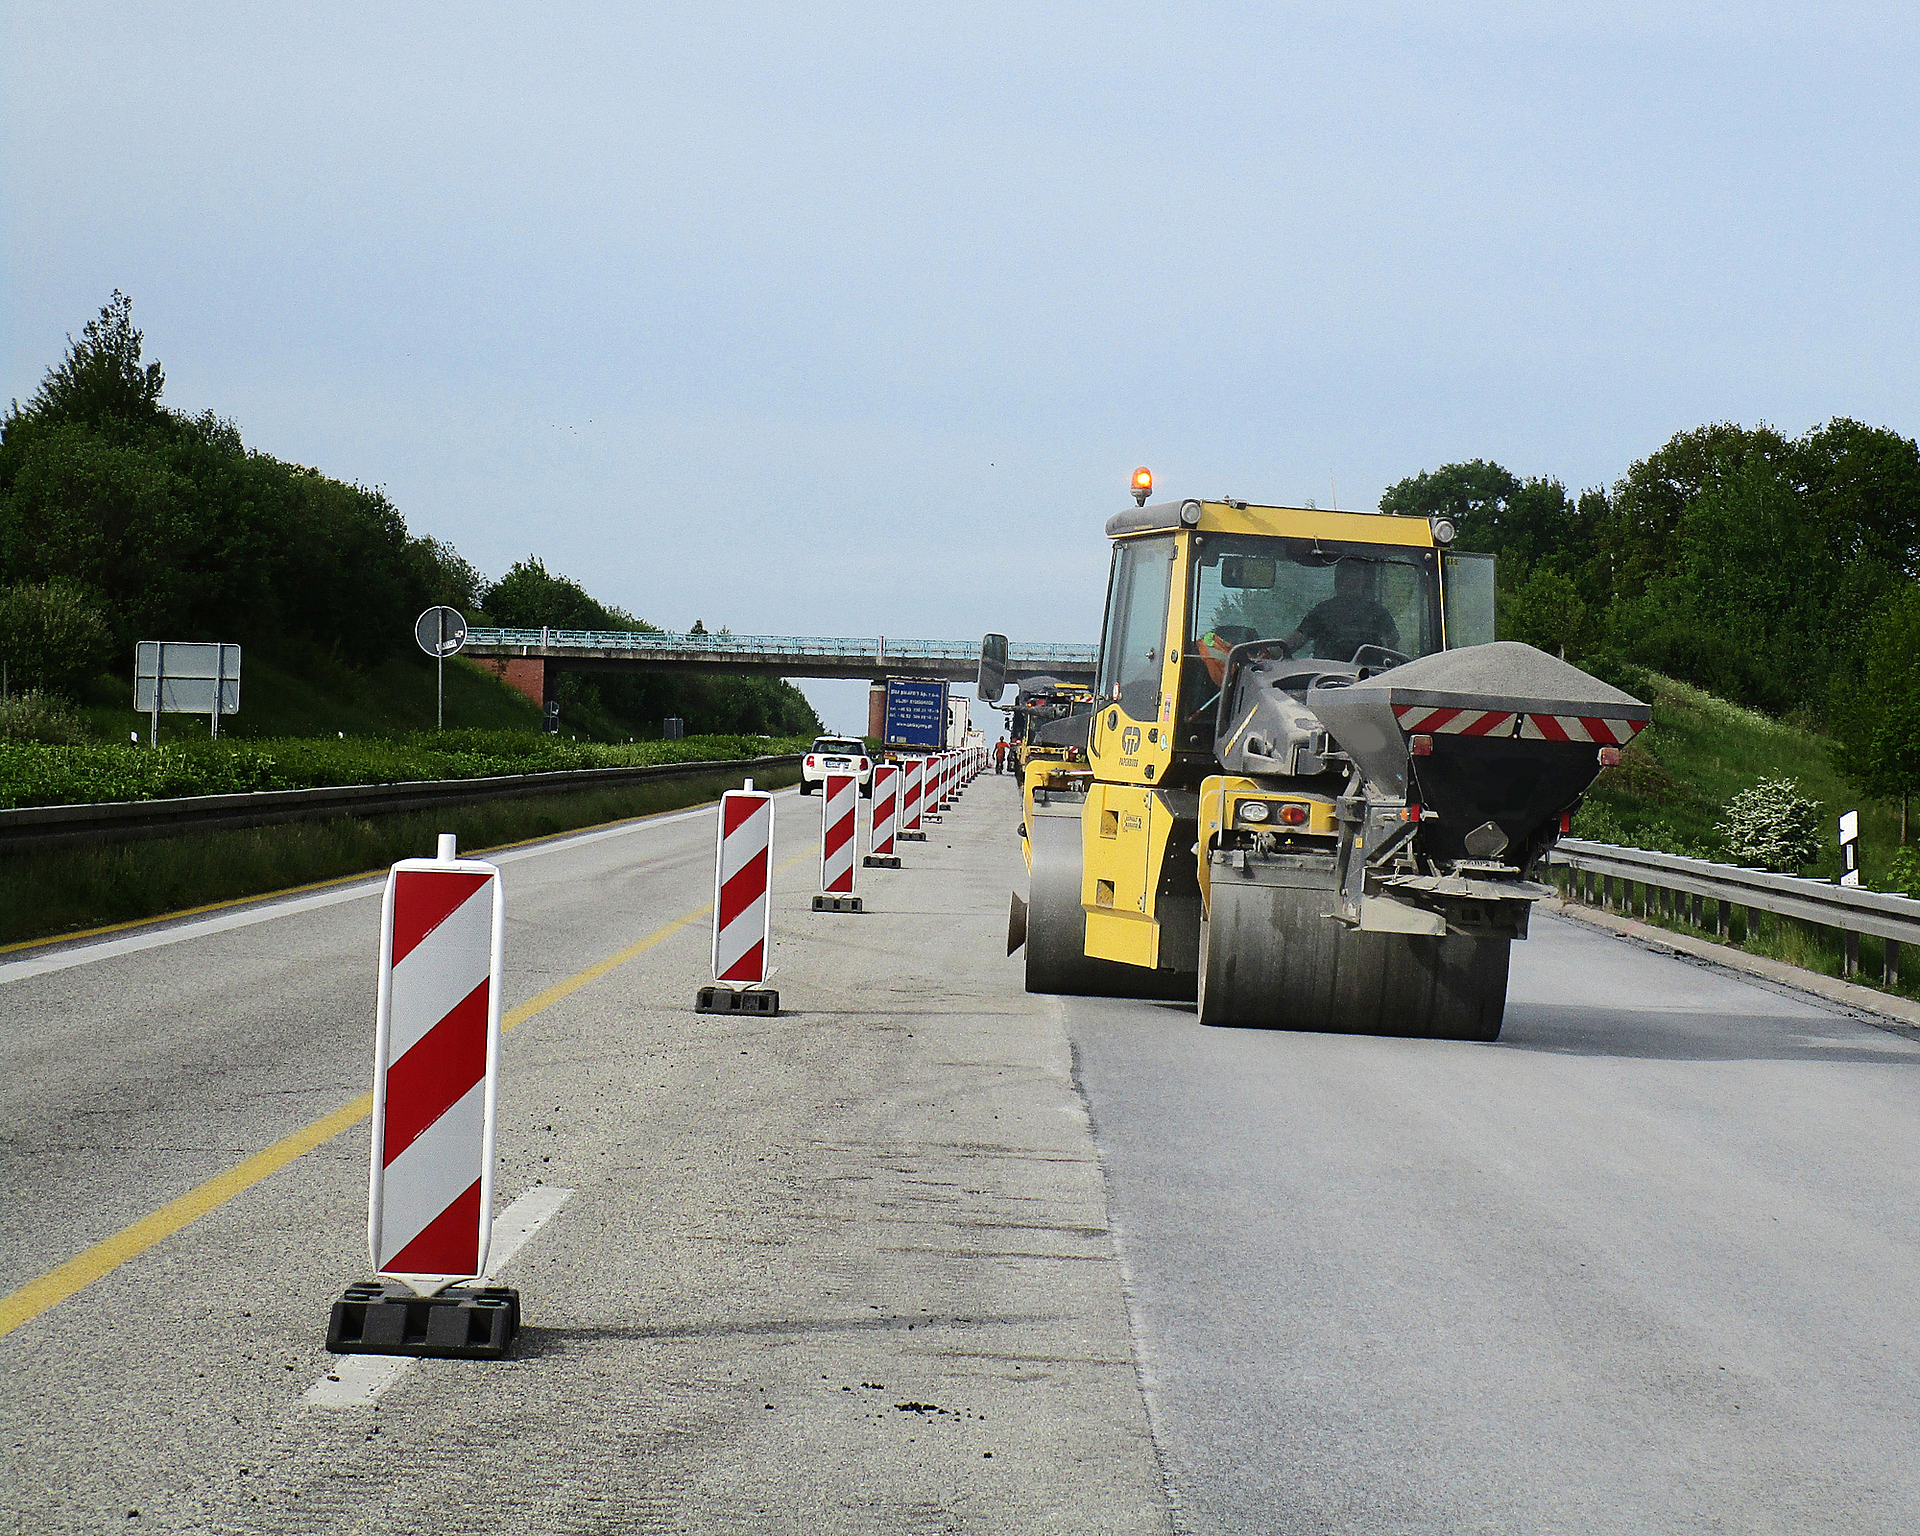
{"x": 1255, "y": 810}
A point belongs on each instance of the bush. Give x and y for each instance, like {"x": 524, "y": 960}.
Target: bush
{"x": 40, "y": 717}
{"x": 1773, "y": 826}
{"x": 1903, "y": 872}
{"x": 53, "y": 638}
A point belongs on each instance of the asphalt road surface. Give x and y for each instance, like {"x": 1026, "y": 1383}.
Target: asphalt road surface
{"x": 926, "y": 1254}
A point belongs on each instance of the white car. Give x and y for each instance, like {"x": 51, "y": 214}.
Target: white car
{"x": 841, "y": 754}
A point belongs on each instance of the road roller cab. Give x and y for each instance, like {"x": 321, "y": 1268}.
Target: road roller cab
{"x": 1314, "y": 788}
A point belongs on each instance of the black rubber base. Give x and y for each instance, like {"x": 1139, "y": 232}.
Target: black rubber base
{"x": 838, "y": 904}
{"x": 727, "y": 1000}
{"x": 909, "y": 837}
{"x": 464, "y": 1322}
{"x": 881, "y": 861}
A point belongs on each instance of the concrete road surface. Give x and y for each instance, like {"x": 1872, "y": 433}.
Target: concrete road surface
{"x": 870, "y": 1267}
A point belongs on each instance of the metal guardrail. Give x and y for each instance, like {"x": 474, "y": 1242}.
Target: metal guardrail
{"x": 874, "y": 648}
{"x": 48, "y": 826}
{"x": 1893, "y": 919}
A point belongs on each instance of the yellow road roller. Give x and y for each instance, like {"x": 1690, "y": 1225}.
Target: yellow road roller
{"x": 1314, "y": 790}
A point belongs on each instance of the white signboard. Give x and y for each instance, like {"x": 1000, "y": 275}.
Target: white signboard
{"x": 189, "y": 673}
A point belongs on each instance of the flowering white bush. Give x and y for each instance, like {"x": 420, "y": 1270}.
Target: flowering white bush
{"x": 1773, "y": 826}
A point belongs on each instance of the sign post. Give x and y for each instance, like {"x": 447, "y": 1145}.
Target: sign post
{"x": 839, "y": 836}
{"x": 436, "y": 1067}
{"x": 742, "y": 910}
{"x": 441, "y": 632}
{"x": 886, "y": 815}
{"x": 185, "y": 677}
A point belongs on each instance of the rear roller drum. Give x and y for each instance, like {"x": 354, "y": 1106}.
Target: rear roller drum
{"x": 1270, "y": 959}
{"x": 1056, "y": 926}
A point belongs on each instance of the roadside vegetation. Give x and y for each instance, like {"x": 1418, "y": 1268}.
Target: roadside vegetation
{"x": 56, "y": 891}
{"x": 33, "y": 774}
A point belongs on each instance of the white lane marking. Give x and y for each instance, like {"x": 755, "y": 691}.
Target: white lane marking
{"x": 519, "y": 1221}
{"x": 108, "y": 949}
{"x": 356, "y": 1381}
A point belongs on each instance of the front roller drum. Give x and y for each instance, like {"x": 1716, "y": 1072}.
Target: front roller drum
{"x": 1270, "y": 959}
{"x": 1056, "y": 925}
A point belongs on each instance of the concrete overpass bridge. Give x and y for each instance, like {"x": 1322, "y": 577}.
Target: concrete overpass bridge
{"x": 530, "y": 659}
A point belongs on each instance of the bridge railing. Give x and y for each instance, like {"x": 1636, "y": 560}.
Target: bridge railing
{"x": 869, "y": 648}
{"x": 1712, "y": 897}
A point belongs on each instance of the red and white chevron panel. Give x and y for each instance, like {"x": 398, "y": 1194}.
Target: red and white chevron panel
{"x": 742, "y": 868}
{"x": 436, "y": 1060}
{"x": 913, "y": 783}
{"x": 1428, "y": 720}
{"x": 1604, "y": 732}
{"x": 886, "y": 806}
{"x": 839, "y": 817}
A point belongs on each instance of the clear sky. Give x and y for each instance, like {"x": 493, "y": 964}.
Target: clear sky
{"x": 853, "y": 319}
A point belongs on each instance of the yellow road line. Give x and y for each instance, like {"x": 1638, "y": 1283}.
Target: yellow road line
{"x": 57, "y": 1284}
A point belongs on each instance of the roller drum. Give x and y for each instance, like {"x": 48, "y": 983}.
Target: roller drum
{"x": 1271, "y": 959}
{"x": 1057, "y": 924}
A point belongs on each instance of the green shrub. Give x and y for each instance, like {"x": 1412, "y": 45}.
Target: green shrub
{"x": 1903, "y": 872}
{"x": 35, "y": 774}
{"x": 40, "y": 717}
{"x": 53, "y": 637}
{"x": 1773, "y": 826}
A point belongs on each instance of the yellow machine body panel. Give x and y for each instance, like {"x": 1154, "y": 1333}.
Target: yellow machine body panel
{"x": 1316, "y": 523}
{"x": 1123, "y": 842}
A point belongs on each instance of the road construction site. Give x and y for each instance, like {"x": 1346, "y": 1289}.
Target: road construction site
{"x": 928, "y": 1253}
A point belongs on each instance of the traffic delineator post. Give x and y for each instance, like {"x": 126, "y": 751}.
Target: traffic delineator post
{"x": 742, "y": 906}
{"x": 435, "y": 1078}
{"x": 913, "y": 788}
{"x": 933, "y": 801}
{"x": 839, "y": 843}
{"x": 885, "y": 816}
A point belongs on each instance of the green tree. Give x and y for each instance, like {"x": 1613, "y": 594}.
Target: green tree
{"x": 1876, "y": 708}
{"x": 53, "y": 637}
{"x": 1546, "y": 611}
{"x": 102, "y": 376}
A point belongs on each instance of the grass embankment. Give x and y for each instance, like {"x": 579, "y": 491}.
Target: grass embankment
{"x": 1671, "y": 789}
{"x": 35, "y": 774}
{"x": 65, "y": 890}
{"x": 313, "y": 694}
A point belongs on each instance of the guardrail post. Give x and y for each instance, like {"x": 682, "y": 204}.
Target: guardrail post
{"x": 1849, "y": 953}
{"x": 1890, "y": 964}
{"x": 1606, "y": 893}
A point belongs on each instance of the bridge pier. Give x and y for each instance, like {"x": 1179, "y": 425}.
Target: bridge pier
{"x": 529, "y": 675}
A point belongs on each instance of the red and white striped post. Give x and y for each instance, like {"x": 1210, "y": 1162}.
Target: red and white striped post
{"x": 913, "y": 784}
{"x": 932, "y": 801}
{"x": 742, "y": 907}
{"x": 436, "y": 1063}
{"x": 436, "y": 1067}
{"x": 839, "y": 840}
{"x": 886, "y": 804}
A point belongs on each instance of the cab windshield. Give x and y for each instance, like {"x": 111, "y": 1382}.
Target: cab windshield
{"x": 1327, "y": 601}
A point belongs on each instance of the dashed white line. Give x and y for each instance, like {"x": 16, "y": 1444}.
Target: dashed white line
{"x": 356, "y": 1381}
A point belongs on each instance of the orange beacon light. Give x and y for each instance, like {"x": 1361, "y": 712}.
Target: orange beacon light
{"x": 1142, "y": 485}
